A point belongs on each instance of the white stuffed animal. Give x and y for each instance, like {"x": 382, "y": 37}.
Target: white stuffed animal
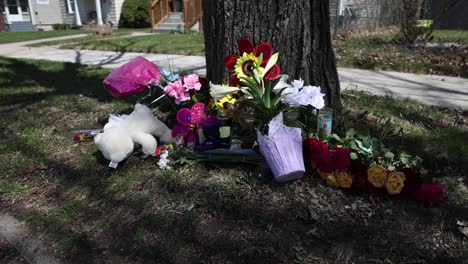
{"x": 117, "y": 140}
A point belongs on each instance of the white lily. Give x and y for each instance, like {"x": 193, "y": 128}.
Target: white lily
{"x": 297, "y": 94}
{"x": 282, "y": 83}
{"x": 219, "y": 91}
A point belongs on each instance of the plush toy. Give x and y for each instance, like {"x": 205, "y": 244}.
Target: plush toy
{"x": 117, "y": 140}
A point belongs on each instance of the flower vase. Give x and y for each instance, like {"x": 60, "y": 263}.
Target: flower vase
{"x": 282, "y": 150}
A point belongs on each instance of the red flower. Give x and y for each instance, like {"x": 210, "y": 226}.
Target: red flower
{"x": 325, "y": 163}
{"x": 230, "y": 61}
{"x": 430, "y": 192}
{"x": 244, "y": 45}
{"x": 341, "y": 158}
{"x": 317, "y": 149}
{"x": 158, "y": 151}
{"x": 413, "y": 181}
{"x": 273, "y": 73}
{"x": 266, "y": 49}
{"x": 79, "y": 137}
{"x": 359, "y": 172}
{"x": 204, "y": 82}
{"x": 234, "y": 81}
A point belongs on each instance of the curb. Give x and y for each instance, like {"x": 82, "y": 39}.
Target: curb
{"x": 33, "y": 250}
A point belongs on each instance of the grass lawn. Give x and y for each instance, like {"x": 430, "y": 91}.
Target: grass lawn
{"x": 80, "y": 40}
{"x": 8, "y": 37}
{"x": 186, "y": 44}
{"x": 457, "y": 36}
{"x": 85, "y": 211}
{"x": 377, "y": 52}
{"x": 129, "y": 30}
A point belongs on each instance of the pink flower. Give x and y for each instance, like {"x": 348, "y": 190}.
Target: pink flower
{"x": 192, "y": 81}
{"x": 430, "y": 192}
{"x": 178, "y": 91}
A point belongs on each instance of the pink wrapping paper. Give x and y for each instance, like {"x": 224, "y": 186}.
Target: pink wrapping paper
{"x": 132, "y": 77}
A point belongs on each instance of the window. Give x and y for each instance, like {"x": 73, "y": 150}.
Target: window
{"x": 70, "y": 6}
{"x": 42, "y": 2}
{"x": 24, "y": 6}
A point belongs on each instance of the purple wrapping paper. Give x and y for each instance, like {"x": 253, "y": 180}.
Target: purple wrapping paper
{"x": 132, "y": 77}
{"x": 282, "y": 149}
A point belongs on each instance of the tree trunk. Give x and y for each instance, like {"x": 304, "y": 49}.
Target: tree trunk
{"x": 299, "y": 30}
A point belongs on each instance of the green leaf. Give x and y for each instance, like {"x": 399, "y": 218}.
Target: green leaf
{"x": 354, "y": 146}
{"x": 336, "y": 137}
{"x": 322, "y": 135}
{"x": 359, "y": 143}
{"x": 270, "y": 63}
{"x": 256, "y": 76}
{"x": 350, "y": 133}
{"x": 389, "y": 155}
{"x": 354, "y": 156}
{"x": 260, "y": 59}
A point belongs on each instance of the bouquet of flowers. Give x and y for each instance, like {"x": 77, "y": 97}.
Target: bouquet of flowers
{"x": 363, "y": 164}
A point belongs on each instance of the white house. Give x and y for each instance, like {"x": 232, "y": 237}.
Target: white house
{"x": 24, "y": 15}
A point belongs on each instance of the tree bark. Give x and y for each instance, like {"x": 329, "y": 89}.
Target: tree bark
{"x": 299, "y": 30}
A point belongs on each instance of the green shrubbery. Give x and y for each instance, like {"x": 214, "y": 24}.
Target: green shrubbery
{"x": 61, "y": 26}
{"x": 135, "y": 14}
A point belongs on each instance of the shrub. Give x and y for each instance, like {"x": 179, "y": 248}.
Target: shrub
{"x": 61, "y": 26}
{"x": 135, "y": 14}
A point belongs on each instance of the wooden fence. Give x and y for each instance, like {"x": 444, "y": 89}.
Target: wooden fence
{"x": 192, "y": 10}
{"x": 193, "y": 13}
{"x": 159, "y": 12}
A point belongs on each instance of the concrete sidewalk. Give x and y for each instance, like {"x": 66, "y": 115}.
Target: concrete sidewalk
{"x": 427, "y": 89}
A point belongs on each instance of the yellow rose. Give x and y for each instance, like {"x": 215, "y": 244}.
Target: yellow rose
{"x": 377, "y": 175}
{"x": 395, "y": 182}
{"x": 343, "y": 179}
{"x": 331, "y": 180}
{"x": 324, "y": 175}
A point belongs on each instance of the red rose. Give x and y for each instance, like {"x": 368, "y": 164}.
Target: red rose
{"x": 273, "y": 73}
{"x": 325, "y": 163}
{"x": 341, "y": 158}
{"x": 317, "y": 149}
{"x": 430, "y": 192}
{"x": 413, "y": 181}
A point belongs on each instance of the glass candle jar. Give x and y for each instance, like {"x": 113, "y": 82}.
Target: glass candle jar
{"x": 324, "y": 121}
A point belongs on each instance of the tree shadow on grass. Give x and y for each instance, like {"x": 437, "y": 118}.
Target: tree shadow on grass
{"x": 232, "y": 224}
{"x": 237, "y": 224}
{"x": 56, "y": 78}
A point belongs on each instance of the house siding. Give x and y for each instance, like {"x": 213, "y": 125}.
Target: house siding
{"x": 66, "y": 17}
{"x": 118, "y": 10}
{"x": 47, "y": 14}
{"x": 111, "y": 13}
